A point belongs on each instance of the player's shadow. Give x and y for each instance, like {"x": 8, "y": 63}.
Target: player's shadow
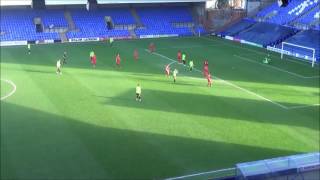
{"x": 181, "y": 81}
{"x": 43, "y": 145}
{"x": 40, "y": 71}
{"x": 233, "y": 108}
{"x": 35, "y": 70}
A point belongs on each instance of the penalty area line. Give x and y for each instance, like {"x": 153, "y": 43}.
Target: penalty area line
{"x": 273, "y": 67}
{"x": 13, "y": 90}
{"x": 257, "y": 52}
{"x": 303, "y": 106}
{"x": 230, "y": 84}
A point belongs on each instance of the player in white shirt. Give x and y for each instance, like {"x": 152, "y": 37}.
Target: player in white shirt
{"x": 29, "y": 49}
{"x": 138, "y": 92}
{"x": 59, "y": 67}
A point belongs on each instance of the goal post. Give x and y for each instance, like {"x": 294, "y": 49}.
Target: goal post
{"x": 293, "y": 48}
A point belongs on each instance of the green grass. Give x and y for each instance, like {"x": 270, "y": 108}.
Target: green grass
{"x": 87, "y": 124}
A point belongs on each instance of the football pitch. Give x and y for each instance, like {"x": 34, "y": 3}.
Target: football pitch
{"x": 86, "y": 123}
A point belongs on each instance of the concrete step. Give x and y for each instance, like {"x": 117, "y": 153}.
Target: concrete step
{"x": 70, "y": 21}
{"x": 136, "y": 17}
{"x": 63, "y": 37}
{"x": 132, "y": 33}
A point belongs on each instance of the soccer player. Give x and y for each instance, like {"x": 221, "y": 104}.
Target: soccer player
{"x": 175, "y": 72}
{"x": 184, "y": 58}
{"x": 136, "y": 54}
{"x": 191, "y": 65}
{"x": 91, "y": 55}
{"x": 267, "y": 60}
{"x": 94, "y": 61}
{"x": 118, "y": 60}
{"x": 64, "y": 57}
{"x": 205, "y": 68}
{"x": 29, "y": 48}
{"x": 138, "y": 92}
{"x": 167, "y": 70}
{"x": 179, "y": 56}
{"x": 59, "y": 67}
{"x": 209, "y": 80}
{"x": 111, "y": 41}
{"x": 152, "y": 47}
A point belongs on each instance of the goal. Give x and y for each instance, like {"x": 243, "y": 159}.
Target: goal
{"x": 304, "y": 52}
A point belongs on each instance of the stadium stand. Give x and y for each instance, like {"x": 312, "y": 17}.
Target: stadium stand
{"x": 284, "y": 15}
{"x": 238, "y": 27}
{"x": 93, "y": 24}
{"x": 266, "y": 34}
{"x": 273, "y": 25}
{"x": 18, "y": 25}
{"x": 309, "y": 17}
{"x": 150, "y": 18}
{"x": 52, "y": 17}
{"x": 66, "y": 2}
{"x": 156, "y": 21}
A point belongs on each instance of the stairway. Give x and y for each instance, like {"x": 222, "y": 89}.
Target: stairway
{"x": 314, "y": 22}
{"x": 136, "y": 17}
{"x": 194, "y": 15}
{"x": 301, "y": 26}
{"x": 63, "y": 37}
{"x": 132, "y": 33}
{"x": 71, "y": 25}
{"x": 193, "y": 31}
{"x": 269, "y": 16}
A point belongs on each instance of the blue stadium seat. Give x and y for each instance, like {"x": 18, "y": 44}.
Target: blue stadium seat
{"x": 92, "y": 23}
{"x": 266, "y": 34}
{"x": 238, "y": 27}
{"x": 285, "y": 15}
{"x": 159, "y": 20}
{"x": 18, "y": 25}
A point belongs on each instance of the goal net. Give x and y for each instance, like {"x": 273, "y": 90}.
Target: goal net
{"x": 299, "y": 51}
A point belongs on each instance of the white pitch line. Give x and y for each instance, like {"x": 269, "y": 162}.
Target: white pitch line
{"x": 13, "y": 90}
{"x": 273, "y": 67}
{"x": 255, "y": 51}
{"x": 303, "y": 106}
{"x": 229, "y": 83}
{"x": 188, "y": 47}
{"x": 312, "y": 77}
{"x": 197, "y": 174}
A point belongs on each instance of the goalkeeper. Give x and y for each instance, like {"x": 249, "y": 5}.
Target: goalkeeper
{"x": 267, "y": 60}
{"x": 191, "y": 65}
{"x": 111, "y": 41}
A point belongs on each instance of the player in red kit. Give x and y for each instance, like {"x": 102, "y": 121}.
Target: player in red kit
{"x": 136, "y": 55}
{"x": 118, "y": 60}
{"x": 94, "y": 61}
{"x": 209, "y": 80}
{"x": 205, "y": 68}
{"x": 152, "y": 47}
{"x": 167, "y": 70}
{"x": 179, "y": 55}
